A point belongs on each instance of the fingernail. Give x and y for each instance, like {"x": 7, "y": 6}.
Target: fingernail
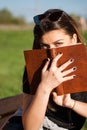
{"x": 74, "y": 76}
{"x": 60, "y": 53}
{"x": 74, "y": 68}
{"x": 71, "y": 60}
{"x": 48, "y": 59}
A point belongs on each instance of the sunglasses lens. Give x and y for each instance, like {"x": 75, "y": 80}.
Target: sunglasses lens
{"x": 52, "y": 17}
{"x": 55, "y": 16}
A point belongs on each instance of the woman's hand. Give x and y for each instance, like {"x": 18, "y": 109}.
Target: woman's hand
{"x": 67, "y": 101}
{"x": 54, "y": 76}
{"x": 63, "y": 100}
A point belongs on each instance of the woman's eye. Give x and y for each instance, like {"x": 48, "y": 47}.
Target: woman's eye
{"x": 44, "y": 46}
{"x": 59, "y": 44}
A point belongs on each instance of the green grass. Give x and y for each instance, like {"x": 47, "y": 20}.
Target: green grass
{"x": 85, "y": 126}
{"x": 12, "y": 45}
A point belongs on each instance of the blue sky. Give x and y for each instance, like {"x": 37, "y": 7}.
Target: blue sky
{"x": 29, "y": 8}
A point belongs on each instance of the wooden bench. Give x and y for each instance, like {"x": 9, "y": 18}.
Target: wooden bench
{"x": 8, "y": 106}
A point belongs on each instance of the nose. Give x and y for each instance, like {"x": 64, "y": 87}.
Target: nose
{"x": 52, "y": 46}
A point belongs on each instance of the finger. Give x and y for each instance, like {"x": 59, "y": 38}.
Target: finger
{"x": 67, "y": 95}
{"x": 57, "y": 99}
{"x": 69, "y": 71}
{"x": 54, "y": 96}
{"x": 62, "y": 67}
{"x": 56, "y": 59}
{"x": 46, "y": 65}
{"x": 69, "y": 78}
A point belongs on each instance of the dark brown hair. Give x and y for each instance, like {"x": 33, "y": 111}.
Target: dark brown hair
{"x": 54, "y": 19}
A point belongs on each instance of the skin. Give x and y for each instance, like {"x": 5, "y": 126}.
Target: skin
{"x": 57, "y": 38}
{"x": 49, "y": 80}
{"x": 67, "y": 101}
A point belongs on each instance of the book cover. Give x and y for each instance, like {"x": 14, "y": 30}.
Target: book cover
{"x": 36, "y": 59}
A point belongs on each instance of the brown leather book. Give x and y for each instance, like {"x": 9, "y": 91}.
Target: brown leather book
{"x": 35, "y": 60}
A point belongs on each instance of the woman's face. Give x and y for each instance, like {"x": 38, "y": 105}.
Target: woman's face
{"x": 57, "y": 38}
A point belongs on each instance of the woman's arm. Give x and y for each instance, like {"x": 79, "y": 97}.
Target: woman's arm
{"x": 80, "y": 108}
{"x": 67, "y": 101}
{"x": 34, "y": 114}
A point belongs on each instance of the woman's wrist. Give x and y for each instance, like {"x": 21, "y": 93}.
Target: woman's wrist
{"x": 44, "y": 89}
{"x": 72, "y": 104}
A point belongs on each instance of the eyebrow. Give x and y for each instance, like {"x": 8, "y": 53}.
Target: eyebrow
{"x": 57, "y": 41}
{"x": 44, "y": 44}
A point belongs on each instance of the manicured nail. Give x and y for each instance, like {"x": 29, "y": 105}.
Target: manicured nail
{"x": 74, "y": 76}
{"x": 60, "y": 53}
{"x": 71, "y": 60}
{"x": 74, "y": 68}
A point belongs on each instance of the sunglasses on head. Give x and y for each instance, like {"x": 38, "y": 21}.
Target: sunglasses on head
{"x": 53, "y": 17}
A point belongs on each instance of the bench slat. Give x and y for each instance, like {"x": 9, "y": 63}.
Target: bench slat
{"x": 10, "y": 104}
{"x": 3, "y": 121}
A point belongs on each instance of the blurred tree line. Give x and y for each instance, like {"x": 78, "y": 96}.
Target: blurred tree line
{"x": 6, "y": 17}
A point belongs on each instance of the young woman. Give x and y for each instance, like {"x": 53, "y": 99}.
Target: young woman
{"x": 54, "y": 28}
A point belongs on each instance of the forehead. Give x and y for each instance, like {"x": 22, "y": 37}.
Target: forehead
{"x": 54, "y": 35}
